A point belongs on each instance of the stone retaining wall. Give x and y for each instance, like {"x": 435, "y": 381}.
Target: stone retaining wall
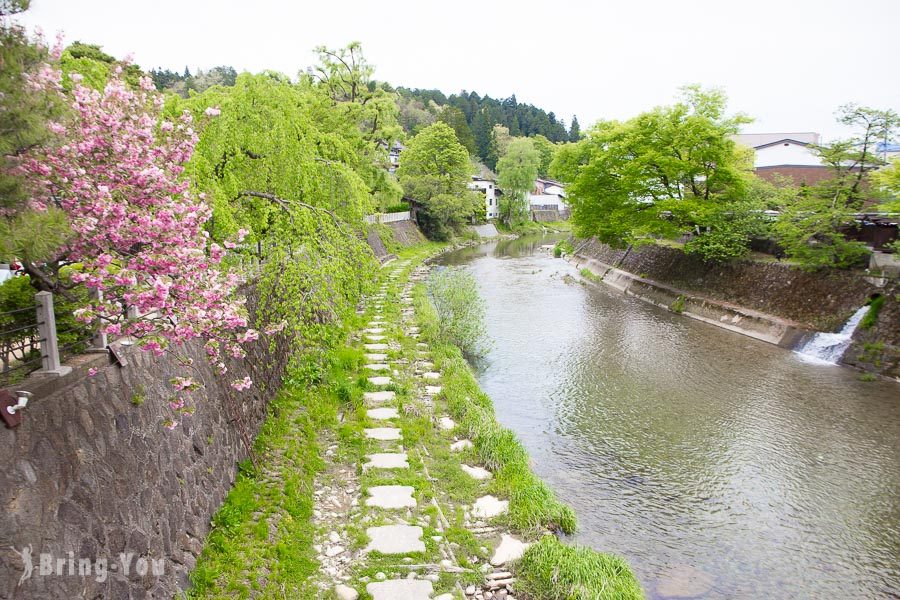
{"x": 92, "y": 471}
{"x": 816, "y": 300}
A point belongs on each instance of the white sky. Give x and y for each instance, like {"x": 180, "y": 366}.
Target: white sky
{"x": 787, "y": 63}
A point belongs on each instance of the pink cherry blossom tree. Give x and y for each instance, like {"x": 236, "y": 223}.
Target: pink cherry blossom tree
{"x": 115, "y": 169}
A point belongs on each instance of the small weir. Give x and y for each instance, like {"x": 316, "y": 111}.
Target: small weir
{"x": 828, "y": 348}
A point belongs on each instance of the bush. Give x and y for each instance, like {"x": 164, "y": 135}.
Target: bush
{"x": 551, "y": 570}
{"x": 460, "y": 311}
{"x": 875, "y": 304}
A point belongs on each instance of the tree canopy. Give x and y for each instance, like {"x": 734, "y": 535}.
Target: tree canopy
{"x": 435, "y": 171}
{"x": 517, "y": 170}
{"x": 655, "y": 174}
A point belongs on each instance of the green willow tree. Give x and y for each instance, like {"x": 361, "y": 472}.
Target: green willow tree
{"x": 663, "y": 173}
{"x": 287, "y": 164}
{"x": 436, "y": 171}
{"x": 516, "y": 171}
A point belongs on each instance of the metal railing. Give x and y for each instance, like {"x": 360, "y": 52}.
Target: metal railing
{"x": 31, "y": 342}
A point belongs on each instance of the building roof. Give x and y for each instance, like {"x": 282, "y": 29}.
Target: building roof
{"x": 755, "y": 140}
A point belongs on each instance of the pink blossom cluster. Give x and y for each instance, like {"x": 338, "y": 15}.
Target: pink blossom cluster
{"x": 117, "y": 170}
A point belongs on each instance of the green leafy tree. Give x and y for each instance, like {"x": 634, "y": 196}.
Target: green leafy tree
{"x": 287, "y": 164}
{"x": 500, "y": 139}
{"x": 888, "y": 179}
{"x": 812, "y": 229}
{"x": 455, "y": 118}
{"x": 346, "y": 76}
{"x": 547, "y": 150}
{"x": 460, "y": 310}
{"x": 435, "y": 170}
{"x": 657, "y": 174}
{"x": 574, "y": 130}
{"x": 516, "y": 172}
{"x": 25, "y": 112}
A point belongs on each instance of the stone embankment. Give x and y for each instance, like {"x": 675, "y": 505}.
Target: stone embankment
{"x": 773, "y": 302}
{"x": 403, "y": 509}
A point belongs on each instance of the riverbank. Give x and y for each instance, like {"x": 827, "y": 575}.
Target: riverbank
{"x": 776, "y": 303}
{"x": 389, "y": 475}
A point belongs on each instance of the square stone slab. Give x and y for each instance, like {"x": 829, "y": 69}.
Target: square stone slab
{"x": 375, "y": 330}
{"x": 460, "y": 445}
{"x": 382, "y": 414}
{"x": 509, "y": 549}
{"x": 387, "y": 460}
{"x": 378, "y": 367}
{"x": 395, "y": 539}
{"x": 432, "y": 390}
{"x": 426, "y": 365}
{"x": 376, "y": 357}
{"x": 446, "y": 423}
{"x": 384, "y": 433}
{"x": 488, "y": 507}
{"x": 379, "y": 397}
{"x": 375, "y": 338}
{"x": 476, "y": 472}
{"x": 431, "y": 375}
{"x": 391, "y": 496}
{"x": 400, "y": 589}
{"x": 380, "y": 380}
{"x": 375, "y": 346}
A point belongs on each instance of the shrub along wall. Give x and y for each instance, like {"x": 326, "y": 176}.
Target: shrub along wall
{"x": 92, "y": 471}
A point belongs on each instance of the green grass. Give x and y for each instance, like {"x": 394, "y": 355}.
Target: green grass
{"x": 678, "y": 304}
{"x": 871, "y": 316}
{"x": 239, "y": 548}
{"x": 532, "y": 505}
{"x": 551, "y": 570}
{"x": 590, "y": 275}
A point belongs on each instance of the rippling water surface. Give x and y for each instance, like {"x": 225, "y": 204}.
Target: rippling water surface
{"x": 709, "y": 460}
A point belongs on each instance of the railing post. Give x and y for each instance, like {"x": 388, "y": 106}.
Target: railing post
{"x": 46, "y": 319}
{"x": 99, "y": 340}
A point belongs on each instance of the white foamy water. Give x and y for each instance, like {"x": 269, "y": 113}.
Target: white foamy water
{"x": 828, "y": 348}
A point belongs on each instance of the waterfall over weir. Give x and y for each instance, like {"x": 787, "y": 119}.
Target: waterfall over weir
{"x": 828, "y": 348}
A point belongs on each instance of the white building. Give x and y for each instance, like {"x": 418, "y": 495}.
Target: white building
{"x": 788, "y": 155}
{"x": 394, "y": 156}
{"x": 548, "y": 195}
{"x": 489, "y": 188}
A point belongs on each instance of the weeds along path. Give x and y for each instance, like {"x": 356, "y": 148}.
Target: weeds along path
{"x": 403, "y": 510}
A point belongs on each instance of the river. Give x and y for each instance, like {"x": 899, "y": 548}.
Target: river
{"x": 718, "y": 465}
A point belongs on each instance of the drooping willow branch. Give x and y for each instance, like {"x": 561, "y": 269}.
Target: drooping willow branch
{"x": 287, "y": 204}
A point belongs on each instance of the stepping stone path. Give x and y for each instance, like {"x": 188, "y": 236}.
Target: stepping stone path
{"x": 476, "y": 472}
{"x": 395, "y": 539}
{"x": 379, "y": 397}
{"x": 401, "y": 589}
{"x": 391, "y": 496}
{"x": 384, "y": 434}
{"x": 390, "y": 460}
{"x": 488, "y": 507}
{"x": 395, "y": 522}
{"x": 382, "y": 414}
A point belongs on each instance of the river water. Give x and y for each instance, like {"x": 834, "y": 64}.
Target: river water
{"x": 719, "y": 466}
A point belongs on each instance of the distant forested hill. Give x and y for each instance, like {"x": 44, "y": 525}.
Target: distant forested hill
{"x": 474, "y": 116}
